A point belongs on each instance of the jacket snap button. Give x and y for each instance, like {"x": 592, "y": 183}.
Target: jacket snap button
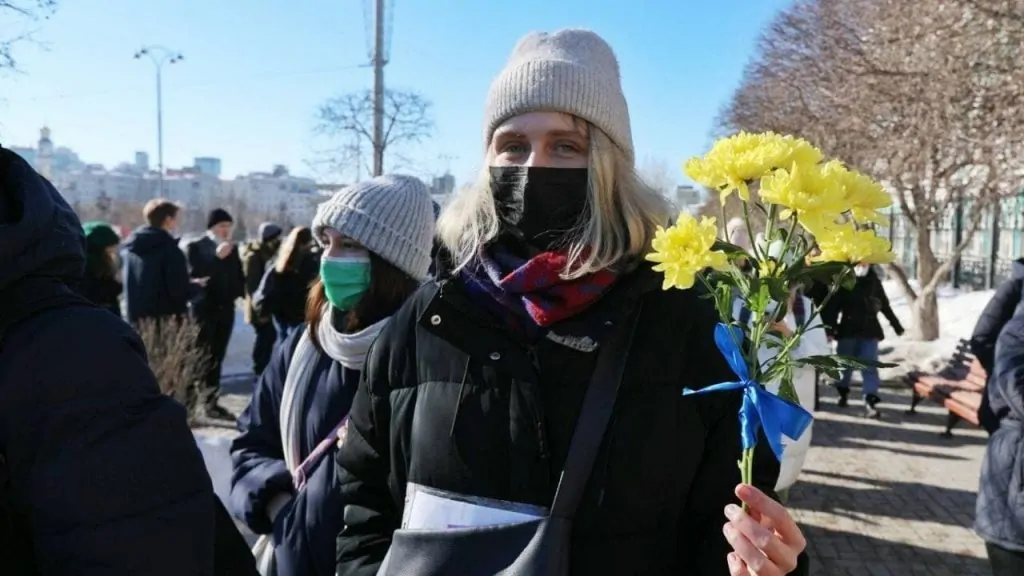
{"x": 435, "y": 319}
{"x": 495, "y": 356}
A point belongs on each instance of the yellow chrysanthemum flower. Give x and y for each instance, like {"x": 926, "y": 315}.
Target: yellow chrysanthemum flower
{"x": 845, "y": 243}
{"x": 815, "y": 193}
{"x": 864, "y": 197}
{"x": 684, "y": 249}
{"x": 734, "y": 161}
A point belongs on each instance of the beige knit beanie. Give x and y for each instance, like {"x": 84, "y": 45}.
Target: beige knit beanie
{"x": 572, "y": 71}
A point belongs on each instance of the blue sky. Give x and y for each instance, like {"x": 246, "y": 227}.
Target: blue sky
{"x": 255, "y": 72}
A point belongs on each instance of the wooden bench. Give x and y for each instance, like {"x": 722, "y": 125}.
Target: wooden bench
{"x": 958, "y": 387}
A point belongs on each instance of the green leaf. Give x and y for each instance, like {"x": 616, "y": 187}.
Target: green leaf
{"x": 778, "y": 288}
{"x": 787, "y": 391}
{"x": 824, "y": 272}
{"x": 835, "y": 363}
{"x": 730, "y": 249}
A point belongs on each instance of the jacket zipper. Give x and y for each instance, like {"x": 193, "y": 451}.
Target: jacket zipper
{"x": 542, "y": 442}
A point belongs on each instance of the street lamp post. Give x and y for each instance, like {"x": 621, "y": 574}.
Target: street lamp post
{"x": 159, "y": 56}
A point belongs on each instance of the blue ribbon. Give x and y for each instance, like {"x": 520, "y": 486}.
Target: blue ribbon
{"x": 760, "y": 410}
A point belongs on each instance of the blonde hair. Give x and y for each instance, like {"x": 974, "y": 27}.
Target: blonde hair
{"x": 624, "y": 214}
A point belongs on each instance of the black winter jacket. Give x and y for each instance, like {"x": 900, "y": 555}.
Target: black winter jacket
{"x": 451, "y": 400}
{"x": 854, "y": 313}
{"x": 291, "y": 289}
{"x": 99, "y": 472}
{"x": 996, "y": 314}
{"x": 999, "y": 515}
{"x": 155, "y": 275}
{"x": 226, "y": 279}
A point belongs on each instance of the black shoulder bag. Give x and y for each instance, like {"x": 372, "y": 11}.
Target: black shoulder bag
{"x": 536, "y": 547}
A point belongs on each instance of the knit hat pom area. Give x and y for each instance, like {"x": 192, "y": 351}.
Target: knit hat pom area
{"x": 572, "y": 71}
{"x": 391, "y": 216}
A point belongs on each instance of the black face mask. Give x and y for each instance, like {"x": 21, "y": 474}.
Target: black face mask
{"x": 540, "y": 205}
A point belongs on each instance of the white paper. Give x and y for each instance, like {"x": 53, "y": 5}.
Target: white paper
{"x": 432, "y": 509}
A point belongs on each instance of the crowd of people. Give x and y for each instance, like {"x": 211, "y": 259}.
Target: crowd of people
{"x": 515, "y": 351}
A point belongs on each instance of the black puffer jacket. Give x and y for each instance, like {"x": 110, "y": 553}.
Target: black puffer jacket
{"x": 999, "y": 515}
{"x": 451, "y": 400}
{"x": 854, "y": 313}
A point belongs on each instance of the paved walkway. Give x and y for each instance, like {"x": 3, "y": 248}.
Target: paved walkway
{"x": 890, "y": 497}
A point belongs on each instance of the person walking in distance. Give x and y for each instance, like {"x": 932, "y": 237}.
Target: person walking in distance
{"x": 256, "y": 256}
{"x": 155, "y": 273}
{"x": 214, "y": 256}
{"x": 852, "y": 317}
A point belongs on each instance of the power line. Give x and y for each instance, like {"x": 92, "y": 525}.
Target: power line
{"x": 261, "y": 76}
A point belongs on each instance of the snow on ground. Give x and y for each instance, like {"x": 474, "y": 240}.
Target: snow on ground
{"x": 218, "y": 461}
{"x": 239, "y": 357}
{"x": 958, "y": 312}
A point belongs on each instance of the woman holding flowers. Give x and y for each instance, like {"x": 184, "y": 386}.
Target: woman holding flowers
{"x": 476, "y": 386}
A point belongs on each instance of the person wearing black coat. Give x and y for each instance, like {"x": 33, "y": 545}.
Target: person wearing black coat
{"x": 851, "y": 318}
{"x": 215, "y": 258}
{"x": 156, "y": 280}
{"x": 287, "y": 287}
{"x": 99, "y": 472}
{"x": 102, "y": 283}
{"x": 475, "y": 386}
{"x": 256, "y": 257}
{"x": 999, "y": 513}
{"x": 990, "y": 323}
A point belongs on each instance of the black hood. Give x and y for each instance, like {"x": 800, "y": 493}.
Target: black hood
{"x": 1017, "y": 269}
{"x": 147, "y": 239}
{"x": 40, "y": 235}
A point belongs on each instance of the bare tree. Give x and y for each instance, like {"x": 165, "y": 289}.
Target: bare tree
{"x": 25, "y": 11}
{"x": 923, "y": 95}
{"x": 660, "y": 175}
{"x": 408, "y": 119}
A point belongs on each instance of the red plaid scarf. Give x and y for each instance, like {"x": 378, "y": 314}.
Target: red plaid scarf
{"x": 534, "y": 287}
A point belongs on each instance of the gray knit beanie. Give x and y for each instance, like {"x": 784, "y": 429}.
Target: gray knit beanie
{"x": 572, "y": 71}
{"x": 390, "y": 215}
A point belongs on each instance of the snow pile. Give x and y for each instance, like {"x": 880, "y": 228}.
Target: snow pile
{"x": 238, "y": 359}
{"x": 958, "y": 312}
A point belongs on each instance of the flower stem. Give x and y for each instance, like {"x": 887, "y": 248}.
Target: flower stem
{"x": 747, "y": 470}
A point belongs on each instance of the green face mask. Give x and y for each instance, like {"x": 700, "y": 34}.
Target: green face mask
{"x": 346, "y": 279}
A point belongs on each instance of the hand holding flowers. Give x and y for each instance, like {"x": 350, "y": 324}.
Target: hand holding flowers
{"x": 810, "y": 206}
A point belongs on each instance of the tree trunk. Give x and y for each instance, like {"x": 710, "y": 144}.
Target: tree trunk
{"x": 926, "y": 317}
{"x": 925, "y": 309}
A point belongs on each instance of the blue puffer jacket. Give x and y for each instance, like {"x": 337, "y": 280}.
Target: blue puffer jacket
{"x": 306, "y": 529}
{"x": 99, "y": 473}
{"x": 999, "y": 515}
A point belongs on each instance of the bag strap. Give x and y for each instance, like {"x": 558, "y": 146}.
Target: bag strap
{"x": 301, "y": 474}
{"x": 598, "y": 405}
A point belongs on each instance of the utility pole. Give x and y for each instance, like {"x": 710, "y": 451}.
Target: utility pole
{"x": 379, "y": 60}
{"x": 159, "y": 56}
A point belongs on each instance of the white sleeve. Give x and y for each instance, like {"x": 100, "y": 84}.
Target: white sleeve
{"x": 814, "y": 342}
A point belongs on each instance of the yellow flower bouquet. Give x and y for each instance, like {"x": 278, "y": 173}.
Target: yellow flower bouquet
{"x": 817, "y": 214}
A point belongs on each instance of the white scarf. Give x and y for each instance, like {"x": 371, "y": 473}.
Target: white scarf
{"x": 347, "y": 349}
